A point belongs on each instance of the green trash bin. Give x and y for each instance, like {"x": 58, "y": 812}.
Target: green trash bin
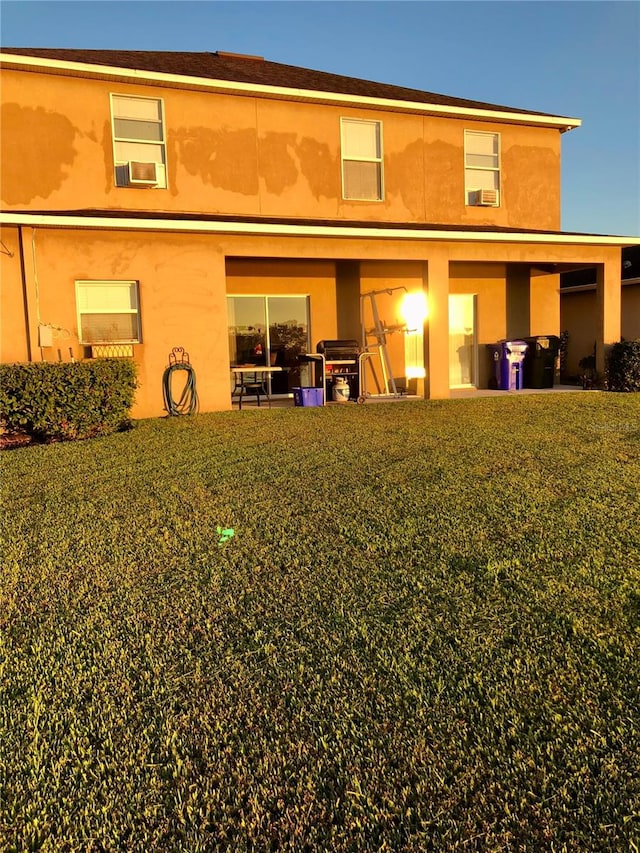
{"x": 540, "y": 361}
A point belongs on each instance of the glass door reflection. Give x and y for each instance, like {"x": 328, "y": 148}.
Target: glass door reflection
{"x": 288, "y": 318}
{"x": 247, "y": 329}
{"x": 271, "y": 331}
{"x": 462, "y": 340}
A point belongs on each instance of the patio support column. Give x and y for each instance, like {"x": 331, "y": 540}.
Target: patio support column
{"x": 608, "y": 298}
{"x": 436, "y": 328}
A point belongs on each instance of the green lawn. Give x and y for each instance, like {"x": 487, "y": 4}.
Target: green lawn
{"x": 423, "y": 635}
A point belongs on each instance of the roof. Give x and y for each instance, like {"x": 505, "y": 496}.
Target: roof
{"x": 256, "y": 71}
{"x": 160, "y": 215}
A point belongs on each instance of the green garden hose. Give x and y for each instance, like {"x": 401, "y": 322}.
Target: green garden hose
{"x": 188, "y": 402}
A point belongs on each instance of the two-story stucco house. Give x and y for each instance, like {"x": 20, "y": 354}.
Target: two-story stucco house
{"x": 209, "y": 200}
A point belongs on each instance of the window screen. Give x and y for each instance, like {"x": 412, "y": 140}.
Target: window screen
{"x": 108, "y": 312}
{"x": 482, "y": 163}
{"x": 138, "y": 135}
{"x": 361, "y": 160}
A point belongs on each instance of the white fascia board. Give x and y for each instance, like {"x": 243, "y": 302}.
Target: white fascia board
{"x": 263, "y": 229}
{"x": 32, "y": 63}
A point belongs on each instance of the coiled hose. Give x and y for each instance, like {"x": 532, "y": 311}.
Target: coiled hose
{"x": 188, "y": 402}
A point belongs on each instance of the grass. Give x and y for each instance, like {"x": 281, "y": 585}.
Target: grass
{"x": 424, "y": 633}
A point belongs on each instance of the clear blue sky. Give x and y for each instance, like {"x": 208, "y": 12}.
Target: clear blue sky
{"x": 573, "y": 58}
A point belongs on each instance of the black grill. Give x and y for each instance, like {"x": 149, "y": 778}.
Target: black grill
{"x": 341, "y": 350}
{"x": 341, "y": 359}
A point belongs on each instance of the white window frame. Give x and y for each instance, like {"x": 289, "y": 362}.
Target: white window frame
{"x": 134, "y": 285}
{"x": 121, "y": 166}
{"x": 495, "y": 169}
{"x": 379, "y": 160}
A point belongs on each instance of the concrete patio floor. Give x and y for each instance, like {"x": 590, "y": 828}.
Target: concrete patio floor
{"x": 456, "y": 394}
{"x": 487, "y": 392}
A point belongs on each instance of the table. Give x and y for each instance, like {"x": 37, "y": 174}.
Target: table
{"x": 258, "y": 384}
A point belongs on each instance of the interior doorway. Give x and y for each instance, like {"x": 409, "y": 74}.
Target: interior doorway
{"x": 463, "y": 349}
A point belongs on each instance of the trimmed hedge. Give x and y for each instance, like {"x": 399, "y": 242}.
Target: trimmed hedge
{"x": 623, "y": 366}
{"x": 67, "y": 401}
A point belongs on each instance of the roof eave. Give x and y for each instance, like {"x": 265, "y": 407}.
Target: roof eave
{"x": 272, "y": 229}
{"x": 132, "y": 75}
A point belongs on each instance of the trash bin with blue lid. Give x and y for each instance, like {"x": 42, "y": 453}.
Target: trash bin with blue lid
{"x": 508, "y": 362}
{"x": 540, "y": 361}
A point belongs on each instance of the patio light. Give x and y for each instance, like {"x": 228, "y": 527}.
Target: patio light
{"x": 414, "y": 371}
{"x": 414, "y": 310}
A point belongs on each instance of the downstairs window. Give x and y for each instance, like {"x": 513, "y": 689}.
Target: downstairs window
{"x": 108, "y": 312}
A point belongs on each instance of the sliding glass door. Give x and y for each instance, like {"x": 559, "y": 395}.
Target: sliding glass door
{"x": 270, "y": 330}
{"x": 247, "y": 317}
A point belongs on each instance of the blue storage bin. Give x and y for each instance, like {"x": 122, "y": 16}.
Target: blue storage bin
{"x": 308, "y": 396}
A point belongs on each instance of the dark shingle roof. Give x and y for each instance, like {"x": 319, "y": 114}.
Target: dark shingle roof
{"x": 253, "y": 70}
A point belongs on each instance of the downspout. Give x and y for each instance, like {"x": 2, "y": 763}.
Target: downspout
{"x": 23, "y": 276}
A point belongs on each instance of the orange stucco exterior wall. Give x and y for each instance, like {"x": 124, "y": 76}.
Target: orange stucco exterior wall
{"x": 182, "y": 303}
{"x": 579, "y": 317}
{"x": 244, "y": 155}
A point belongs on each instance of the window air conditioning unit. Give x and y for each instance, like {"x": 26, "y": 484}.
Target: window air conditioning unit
{"x": 143, "y": 174}
{"x": 487, "y": 198}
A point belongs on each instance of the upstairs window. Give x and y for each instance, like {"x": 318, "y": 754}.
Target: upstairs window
{"x": 108, "y": 312}
{"x": 138, "y": 142}
{"x": 482, "y": 168}
{"x": 361, "y": 159}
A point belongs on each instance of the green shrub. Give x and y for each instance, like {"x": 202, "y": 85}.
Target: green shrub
{"x": 67, "y": 401}
{"x": 623, "y": 366}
